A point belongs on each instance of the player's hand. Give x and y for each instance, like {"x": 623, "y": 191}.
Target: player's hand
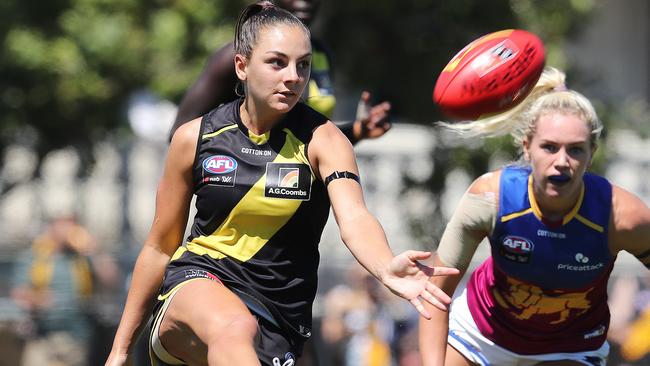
{"x": 371, "y": 121}
{"x": 409, "y": 278}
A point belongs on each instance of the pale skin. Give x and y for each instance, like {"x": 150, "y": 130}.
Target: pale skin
{"x": 274, "y": 75}
{"x": 560, "y": 146}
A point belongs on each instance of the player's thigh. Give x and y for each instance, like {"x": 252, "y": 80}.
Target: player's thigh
{"x": 202, "y": 312}
{"x": 455, "y": 358}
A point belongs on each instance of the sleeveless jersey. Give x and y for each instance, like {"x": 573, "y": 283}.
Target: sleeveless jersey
{"x": 544, "y": 289}
{"x": 261, "y": 210}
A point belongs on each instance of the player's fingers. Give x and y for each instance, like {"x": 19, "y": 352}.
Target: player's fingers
{"x": 431, "y": 299}
{"x": 420, "y": 308}
{"x": 417, "y": 255}
{"x": 436, "y": 292}
{"x": 427, "y": 270}
{"x": 445, "y": 271}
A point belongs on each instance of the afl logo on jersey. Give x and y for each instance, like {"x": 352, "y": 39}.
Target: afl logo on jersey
{"x": 516, "y": 249}
{"x": 219, "y": 170}
{"x": 219, "y": 164}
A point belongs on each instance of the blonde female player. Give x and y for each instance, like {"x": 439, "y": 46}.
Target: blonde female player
{"x": 554, "y": 231}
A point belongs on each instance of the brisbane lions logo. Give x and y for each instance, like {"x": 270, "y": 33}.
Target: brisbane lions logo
{"x": 525, "y": 301}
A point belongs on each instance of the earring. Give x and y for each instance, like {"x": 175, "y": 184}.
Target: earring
{"x": 239, "y": 93}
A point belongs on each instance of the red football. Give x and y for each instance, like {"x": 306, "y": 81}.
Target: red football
{"x": 490, "y": 75}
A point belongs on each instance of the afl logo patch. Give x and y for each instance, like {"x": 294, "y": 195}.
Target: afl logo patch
{"x": 219, "y": 170}
{"x": 219, "y": 164}
{"x": 516, "y": 249}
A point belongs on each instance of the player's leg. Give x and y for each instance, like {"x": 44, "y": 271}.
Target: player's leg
{"x": 455, "y": 358}
{"x": 207, "y": 324}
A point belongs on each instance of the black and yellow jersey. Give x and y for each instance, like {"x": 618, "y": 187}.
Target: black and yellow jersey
{"x": 260, "y": 210}
{"x": 319, "y": 92}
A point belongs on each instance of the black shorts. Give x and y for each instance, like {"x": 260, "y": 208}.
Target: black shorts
{"x": 271, "y": 344}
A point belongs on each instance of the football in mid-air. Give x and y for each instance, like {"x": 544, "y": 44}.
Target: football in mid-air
{"x": 490, "y": 75}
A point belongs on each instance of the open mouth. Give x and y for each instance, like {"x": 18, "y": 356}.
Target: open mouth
{"x": 287, "y": 93}
{"x": 559, "y": 179}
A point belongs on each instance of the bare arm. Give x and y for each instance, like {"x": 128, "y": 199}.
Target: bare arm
{"x": 630, "y": 225}
{"x": 362, "y": 233}
{"x": 172, "y": 207}
{"x": 215, "y": 85}
{"x": 433, "y": 332}
{"x": 469, "y": 225}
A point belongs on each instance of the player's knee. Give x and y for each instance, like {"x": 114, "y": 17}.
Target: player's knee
{"x": 238, "y": 329}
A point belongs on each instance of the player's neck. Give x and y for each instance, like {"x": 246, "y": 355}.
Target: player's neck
{"x": 255, "y": 121}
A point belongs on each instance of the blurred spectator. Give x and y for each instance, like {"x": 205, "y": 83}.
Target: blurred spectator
{"x": 636, "y": 346}
{"x": 362, "y": 325}
{"x": 53, "y": 282}
{"x": 629, "y": 333}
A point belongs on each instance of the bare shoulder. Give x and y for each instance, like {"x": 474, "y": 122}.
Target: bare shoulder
{"x": 184, "y": 141}
{"x": 487, "y": 183}
{"x": 328, "y": 130}
{"x": 630, "y": 222}
{"x": 330, "y": 150}
{"x": 628, "y": 211}
{"x": 329, "y": 137}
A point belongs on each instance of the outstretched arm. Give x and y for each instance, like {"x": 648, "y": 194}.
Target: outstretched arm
{"x": 215, "y": 85}
{"x": 172, "y": 207}
{"x": 362, "y": 233}
{"x": 472, "y": 221}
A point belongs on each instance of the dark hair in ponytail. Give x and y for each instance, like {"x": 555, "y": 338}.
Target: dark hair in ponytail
{"x": 257, "y": 16}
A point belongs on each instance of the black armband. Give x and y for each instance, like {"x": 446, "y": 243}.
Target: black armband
{"x": 348, "y": 130}
{"x": 339, "y": 175}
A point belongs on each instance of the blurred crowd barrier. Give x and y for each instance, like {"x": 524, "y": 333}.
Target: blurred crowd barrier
{"x": 69, "y": 235}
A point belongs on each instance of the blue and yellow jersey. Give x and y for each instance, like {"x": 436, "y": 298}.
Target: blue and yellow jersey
{"x": 544, "y": 289}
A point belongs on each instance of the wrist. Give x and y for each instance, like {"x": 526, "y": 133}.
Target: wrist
{"x": 357, "y": 131}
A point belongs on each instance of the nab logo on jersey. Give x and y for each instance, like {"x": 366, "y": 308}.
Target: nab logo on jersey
{"x": 288, "y": 180}
{"x": 219, "y": 164}
{"x": 516, "y": 249}
{"x": 220, "y": 170}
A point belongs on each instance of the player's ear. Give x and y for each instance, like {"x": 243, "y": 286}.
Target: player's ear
{"x": 240, "y": 66}
{"x": 526, "y": 148}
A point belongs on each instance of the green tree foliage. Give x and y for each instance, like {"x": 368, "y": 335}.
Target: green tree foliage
{"x": 68, "y": 66}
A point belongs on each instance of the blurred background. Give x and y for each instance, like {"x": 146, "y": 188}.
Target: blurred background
{"x": 89, "y": 90}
